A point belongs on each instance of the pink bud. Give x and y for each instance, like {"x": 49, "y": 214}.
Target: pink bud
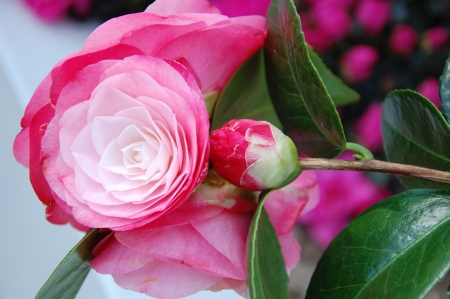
{"x": 373, "y": 15}
{"x": 253, "y": 155}
{"x": 368, "y": 128}
{"x": 429, "y": 88}
{"x": 435, "y": 38}
{"x": 403, "y": 39}
{"x": 357, "y": 63}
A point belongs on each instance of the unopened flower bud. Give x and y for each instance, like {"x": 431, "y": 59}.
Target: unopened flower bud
{"x": 253, "y": 155}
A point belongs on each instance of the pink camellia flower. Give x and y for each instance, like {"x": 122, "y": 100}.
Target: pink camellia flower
{"x": 343, "y": 196}
{"x": 373, "y": 15}
{"x": 314, "y": 35}
{"x": 356, "y": 64}
{"x": 117, "y": 134}
{"x": 50, "y": 10}
{"x": 236, "y": 8}
{"x": 403, "y": 39}
{"x": 202, "y": 244}
{"x": 368, "y": 128}
{"x": 333, "y": 18}
{"x": 253, "y": 155}
{"x": 429, "y": 88}
{"x": 435, "y": 38}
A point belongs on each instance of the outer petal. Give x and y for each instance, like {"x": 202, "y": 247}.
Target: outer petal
{"x": 234, "y": 8}
{"x": 170, "y": 7}
{"x": 285, "y": 205}
{"x": 156, "y": 279}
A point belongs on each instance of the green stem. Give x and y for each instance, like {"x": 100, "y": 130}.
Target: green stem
{"x": 362, "y": 152}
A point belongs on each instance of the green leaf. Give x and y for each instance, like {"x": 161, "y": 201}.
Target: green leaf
{"x": 246, "y": 95}
{"x": 299, "y": 96}
{"x": 399, "y": 248}
{"x": 340, "y": 93}
{"x": 68, "y": 277}
{"x": 267, "y": 277}
{"x": 415, "y": 132}
{"x": 444, "y": 91}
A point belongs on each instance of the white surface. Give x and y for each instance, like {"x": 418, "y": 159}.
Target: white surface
{"x": 31, "y": 247}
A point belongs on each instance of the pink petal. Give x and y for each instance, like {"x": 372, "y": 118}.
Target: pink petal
{"x": 290, "y": 249}
{"x": 116, "y": 258}
{"x": 37, "y": 127}
{"x": 158, "y": 278}
{"x": 227, "y": 233}
{"x": 21, "y": 147}
{"x": 181, "y": 244}
{"x": 189, "y": 46}
{"x": 285, "y": 205}
{"x": 170, "y": 7}
{"x": 234, "y": 8}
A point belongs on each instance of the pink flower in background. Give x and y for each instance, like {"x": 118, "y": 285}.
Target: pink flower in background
{"x": 435, "y": 38}
{"x": 343, "y": 196}
{"x": 50, "y": 10}
{"x": 356, "y": 64}
{"x": 236, "y": 8}
{"x": 368, "y": 128}
{"x": 253, "y": 155}
{"x": 203, "y": 242}
{"x": 429, "y": 88}
{"x": 403, "y": 39}
{"x": 314, "y": 35}
{"x": 333, "y": 18}
{"x": 373, "y": 15}
{"x": 98, "y": 124}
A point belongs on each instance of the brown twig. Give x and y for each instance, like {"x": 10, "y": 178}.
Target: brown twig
{"x": 376, "y": 166}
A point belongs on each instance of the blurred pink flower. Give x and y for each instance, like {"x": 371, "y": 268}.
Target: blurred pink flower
{"x": 435, "y": 38}
{"x": 373, "y": 15}
{"x": 51, "y": 10}
{"x": 368, "y": 128}
{"x": 343, "y": 196}
{"x": 403, "y": 39}
{"x": 356, "y": 64}
{"x": 315, "y": 36}
{"x": 429, "y": 88}
{"x": 236, "y": 8}
{"x": 334, "y": 20}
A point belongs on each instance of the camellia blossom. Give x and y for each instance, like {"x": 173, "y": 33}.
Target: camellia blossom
{"x": 253, "y": 155}
{"x": 51, "y": 10}
{"x": 403, "y": 39}
{"x": 356, "y": 64}
{"x": 117, "y": 134}
{"x": 202, "y": 244}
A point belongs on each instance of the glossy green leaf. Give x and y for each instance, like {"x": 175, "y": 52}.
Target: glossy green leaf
{"x": 399, "y": 248}
{"x": 444, "y": 91}
{"x": 68, "y": 277}
{"x": 246, "y": 95}
{"x": 299, "y": 96}
{"x": 340, "y": 93}
{"x": 415, "y": 132}
{"x": 267, "y": 277}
